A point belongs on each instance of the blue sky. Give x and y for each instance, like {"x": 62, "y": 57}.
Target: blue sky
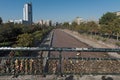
{"x": 58, "y": 10}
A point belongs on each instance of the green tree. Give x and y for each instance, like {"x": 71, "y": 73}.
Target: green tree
{"x": 16, "y": 31}
{"x": 38, "y": 35}
{"x": 107, "y": 30}
{"x": 73, "y": 26}
{"x": 1, "y": 20}
{"x": 66, "y": 25}
{"x": 116, "y": 27}
{"x": 83, "y": 28}
{"x": 25, "y": 40}
{"x": 92, "y": 27}
{"x": 107, "y": 18}
{"x": 6, "y": 31}
{"x": 1, "y": 38}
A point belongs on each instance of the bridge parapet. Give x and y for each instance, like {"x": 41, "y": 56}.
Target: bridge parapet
{"x": 34, "y": 66}
{"x": 60, "y": 65}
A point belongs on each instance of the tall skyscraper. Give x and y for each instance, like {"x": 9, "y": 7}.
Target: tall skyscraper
{"x": 27, "y": 13}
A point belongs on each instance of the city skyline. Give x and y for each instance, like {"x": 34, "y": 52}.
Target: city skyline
{"x": 59, "y": 10}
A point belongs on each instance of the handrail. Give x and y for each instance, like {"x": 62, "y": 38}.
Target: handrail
{"x": 60, "y": 49}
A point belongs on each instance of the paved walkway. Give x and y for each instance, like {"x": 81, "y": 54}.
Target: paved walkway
{"x": 93, "y": 43}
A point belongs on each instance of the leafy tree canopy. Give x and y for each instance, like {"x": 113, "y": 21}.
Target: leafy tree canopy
{"x": 25, "y": 40}
{"x": 1, "y": 20}
{"x": 107, "y": 18}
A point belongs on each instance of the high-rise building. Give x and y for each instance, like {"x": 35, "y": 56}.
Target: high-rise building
{"x": 27, "y": 13}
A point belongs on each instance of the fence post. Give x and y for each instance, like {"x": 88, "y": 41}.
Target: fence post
{"x": 60, "y": 63}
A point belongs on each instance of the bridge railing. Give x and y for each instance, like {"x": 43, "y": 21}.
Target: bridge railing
{"x": 59, "y": 65}
{"x": 93, "y": 66}
{"x": 20, "y": 65}
{"x": 34, "y": 66}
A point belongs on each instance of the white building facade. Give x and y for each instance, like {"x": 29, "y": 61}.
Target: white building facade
{"x": 20, "y": 21}
{"x": 78, "y": 20}
{"x": 45, "y": 23}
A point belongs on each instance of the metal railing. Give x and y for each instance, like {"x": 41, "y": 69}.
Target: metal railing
{"x": 59, "y": 65}
{"x": 20, "y": 65}
{"x": 61, "y": 49}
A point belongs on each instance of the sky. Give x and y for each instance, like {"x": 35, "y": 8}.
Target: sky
{"x": 58, "y": 10}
